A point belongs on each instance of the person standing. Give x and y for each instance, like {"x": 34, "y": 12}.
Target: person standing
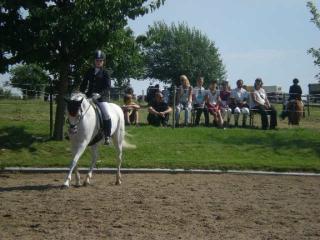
{"x": 97, "y": 80}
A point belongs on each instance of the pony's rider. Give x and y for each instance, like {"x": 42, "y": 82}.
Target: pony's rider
{"x": 295, "y": 93}
{"x": 97, "y": 80}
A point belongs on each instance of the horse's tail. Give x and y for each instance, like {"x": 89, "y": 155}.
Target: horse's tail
{"x": 127, "y": 145}
{"x": 123, "y": 134}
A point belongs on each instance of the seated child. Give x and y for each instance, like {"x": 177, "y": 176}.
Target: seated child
{"x": 130, "y": 110}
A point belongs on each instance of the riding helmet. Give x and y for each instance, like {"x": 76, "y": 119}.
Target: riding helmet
{"x": 99, "y": 55}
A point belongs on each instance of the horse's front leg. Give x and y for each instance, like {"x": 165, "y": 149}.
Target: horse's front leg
{"x": 94, "y": 154}
{"x": 77, "y": 152}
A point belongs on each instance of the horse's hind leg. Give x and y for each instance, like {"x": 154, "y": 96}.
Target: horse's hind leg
{"x": 94, "y": 154}
{"x": 119, "y": 160}
{"x": 77, "y": 176}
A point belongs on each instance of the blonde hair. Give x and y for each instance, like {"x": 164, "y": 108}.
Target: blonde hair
{"x": 184, "y": 79}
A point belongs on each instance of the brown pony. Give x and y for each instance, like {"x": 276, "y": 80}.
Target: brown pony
{"x": 295, "y": 112}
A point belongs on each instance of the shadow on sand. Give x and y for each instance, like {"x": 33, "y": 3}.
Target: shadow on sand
{"x": 30, "y": 188}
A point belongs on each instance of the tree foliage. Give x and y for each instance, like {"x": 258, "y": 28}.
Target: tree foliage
{"x": 123, "y": 57}
{"x": 316, "y": 20}
{"x": 174, "y": 50}
{"x": 5, "y": 93}
{"x": 59, "y": 35}
{"x": 29, "y": 78}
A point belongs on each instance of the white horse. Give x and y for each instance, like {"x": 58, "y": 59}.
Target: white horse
{"x": 85, "y": 128}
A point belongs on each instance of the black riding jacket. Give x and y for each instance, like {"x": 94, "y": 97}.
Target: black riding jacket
{"x": 96, "y": 83}
{"x": 295, "y": 92}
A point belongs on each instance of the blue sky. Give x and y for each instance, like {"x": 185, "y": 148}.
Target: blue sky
{"x": 256, "y": 38}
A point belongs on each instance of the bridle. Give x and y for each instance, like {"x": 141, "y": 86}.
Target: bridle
{"x": 73, "y": 128}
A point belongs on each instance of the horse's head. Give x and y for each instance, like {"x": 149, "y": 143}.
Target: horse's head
{"x": 74, "y": 104}
{"x": 73, "y": 107}
{"x": 75, "y": 111}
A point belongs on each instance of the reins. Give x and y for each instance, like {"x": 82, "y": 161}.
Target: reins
{"x": 74, "y": 126}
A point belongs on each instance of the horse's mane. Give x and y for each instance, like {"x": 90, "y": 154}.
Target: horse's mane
{"x": 77, "y": 96}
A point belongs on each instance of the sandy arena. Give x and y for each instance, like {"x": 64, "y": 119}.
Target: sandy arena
{"x": 160, "y": 206}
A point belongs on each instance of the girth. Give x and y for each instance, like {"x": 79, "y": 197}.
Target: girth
{"x": 99, "y": 134}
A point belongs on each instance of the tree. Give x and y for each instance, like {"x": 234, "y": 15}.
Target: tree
{"x": 123, "y": 57}
{"x": 60, "y": 35}
{"x": 174, "y": 50}
{"x": 30, "y": 78}
{"x": 5, "y": 93}
{"x": 316, "y": 20}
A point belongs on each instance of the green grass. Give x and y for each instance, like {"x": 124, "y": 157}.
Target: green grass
{"x": 24, "y": 128}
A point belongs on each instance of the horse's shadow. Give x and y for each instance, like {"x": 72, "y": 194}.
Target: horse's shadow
{"x": 40, "y": 188}
{"x": 15, "y": 138}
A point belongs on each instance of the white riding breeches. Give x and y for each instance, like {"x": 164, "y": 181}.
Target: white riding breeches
{"x": 244, "y": 110}
{"x": 104, "y": 109}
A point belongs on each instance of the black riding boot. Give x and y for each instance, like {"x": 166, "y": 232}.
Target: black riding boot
{"x": 107, "y": 131}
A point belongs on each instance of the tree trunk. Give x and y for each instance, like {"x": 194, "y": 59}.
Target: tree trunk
{"x": 59, "y": 120}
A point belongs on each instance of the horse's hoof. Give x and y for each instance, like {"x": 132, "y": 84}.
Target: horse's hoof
{"x": 64, "y": 186}
{"x": 85, "y": 183}
{"x": 118, "y": 182}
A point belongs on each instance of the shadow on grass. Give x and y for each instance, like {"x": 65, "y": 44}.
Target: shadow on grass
{"x": 276, "y": 141}
{"x": 29, "y": 188}
{"x": 15, "y": 138}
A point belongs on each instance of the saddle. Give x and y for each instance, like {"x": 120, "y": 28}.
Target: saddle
{"x": 99, "y": 136}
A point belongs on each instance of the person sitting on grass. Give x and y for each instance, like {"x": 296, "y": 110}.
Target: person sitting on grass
{"x": 130, "y": 110}
{"x": 213, "y": 104}
{"x": 159, "y": 111}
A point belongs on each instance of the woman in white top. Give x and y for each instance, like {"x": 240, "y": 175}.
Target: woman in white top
{"x": 184, "y": 100}
{"x": 262, "y": 104}
{"x": 213, "y": 103}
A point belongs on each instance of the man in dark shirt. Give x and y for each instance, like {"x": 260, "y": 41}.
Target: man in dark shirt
{"x": 159, "y": 111}
{"x": 97, "y": 80}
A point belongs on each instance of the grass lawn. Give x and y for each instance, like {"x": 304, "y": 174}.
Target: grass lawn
{"x": 24, "y": 128}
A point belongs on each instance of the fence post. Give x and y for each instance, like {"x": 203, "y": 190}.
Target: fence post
{"x": 51, "y": 108}
{"x": 174, "y": 107}
{"x": 308, "y": 104}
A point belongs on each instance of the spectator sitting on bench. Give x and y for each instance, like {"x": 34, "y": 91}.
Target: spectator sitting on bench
{"x": 239, "y": 103}
{"x": 159, "y": 111}
{"x": 198, "y": 96}
{"x": 130, "y": 110}
{"x": 184, "y": 100}
{"x": 213, "y": 103}
{"x": 224, "y": 104}
{"x": 263, "y": 106}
